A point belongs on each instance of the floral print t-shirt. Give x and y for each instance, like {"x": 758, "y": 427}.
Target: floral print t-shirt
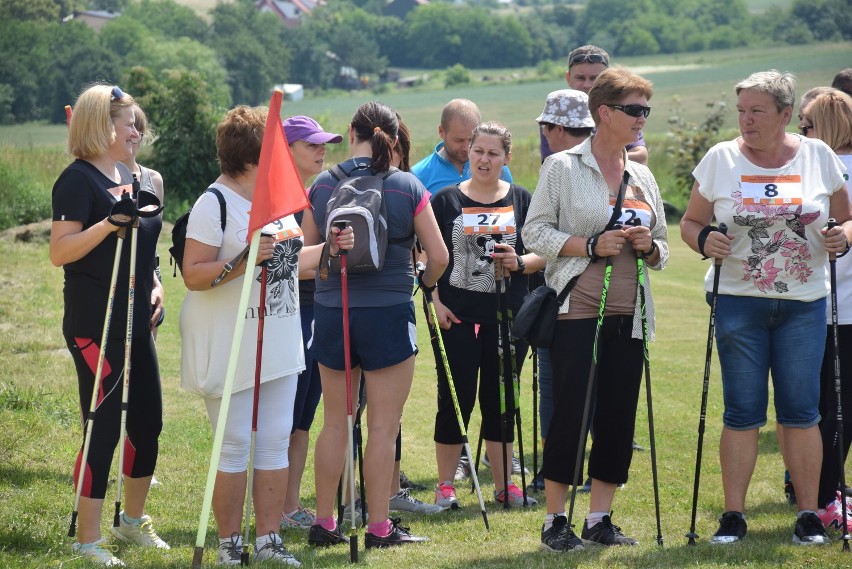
{"x": 775, "y": 216}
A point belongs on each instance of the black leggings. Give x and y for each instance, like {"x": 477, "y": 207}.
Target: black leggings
{"x": 829, "y": 478}
{"x": 144, "y": 409}
{"x": 619, "y": 374}
{"x": 470, "y": 354}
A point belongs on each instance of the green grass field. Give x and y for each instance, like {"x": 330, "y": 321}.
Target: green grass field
{"x": 40, "y": 434}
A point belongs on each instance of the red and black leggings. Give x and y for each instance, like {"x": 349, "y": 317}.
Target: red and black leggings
{"x": 144, "y": 410}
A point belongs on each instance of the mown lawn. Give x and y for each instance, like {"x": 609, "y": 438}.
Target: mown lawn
{"x": 40, "y": 435}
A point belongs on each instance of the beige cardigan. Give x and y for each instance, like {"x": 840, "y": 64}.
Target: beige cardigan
{"x": 572, "y": 198}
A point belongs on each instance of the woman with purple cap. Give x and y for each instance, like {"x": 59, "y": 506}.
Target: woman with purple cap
{"x": 307, "y": 142}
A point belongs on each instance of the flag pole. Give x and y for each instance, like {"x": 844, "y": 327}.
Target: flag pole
{"x": 230, "y": 374}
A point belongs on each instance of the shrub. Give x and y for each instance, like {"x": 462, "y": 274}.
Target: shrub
{"x": 456, "y": 75}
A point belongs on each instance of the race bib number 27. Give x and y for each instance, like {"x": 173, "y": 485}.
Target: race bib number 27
{"x": 488, "y": 220}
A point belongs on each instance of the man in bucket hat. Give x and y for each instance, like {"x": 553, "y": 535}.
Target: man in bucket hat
{"x": 565, "y": 121}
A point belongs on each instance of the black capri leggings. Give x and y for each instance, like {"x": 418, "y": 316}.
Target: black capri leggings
{"x": 144, "y": 409}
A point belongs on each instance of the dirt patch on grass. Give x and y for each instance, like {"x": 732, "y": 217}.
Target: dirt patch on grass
{"x": 38, "y": 232}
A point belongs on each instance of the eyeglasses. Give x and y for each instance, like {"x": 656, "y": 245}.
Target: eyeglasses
{"x": 805, "y": 129}
{"x": 635, "y": 111}
{"x": 588, "y": 58}
{"x": 116, "y": 94}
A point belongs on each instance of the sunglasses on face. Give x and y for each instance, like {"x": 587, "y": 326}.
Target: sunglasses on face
{"x": 635, "y": 111}
{"x": 588, "y": 58}
{"x": 805, "y": 129}
{"x": 116, "y": 94}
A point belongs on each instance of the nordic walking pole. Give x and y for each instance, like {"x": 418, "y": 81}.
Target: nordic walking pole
{"x": 89, "y": 423}
{"x": 534, "y": 357}
{"x": 128, "y": 343}
{"x": 832, "y": 261}
{"x": 359, "y": 440}
{"x": 505, "y": 368}
{"x": 711, "y": 329}
{"x": 344, "y": 290}
{"x": 640, "y": 275}
{"x": 230, "y": 374}
{"x": 258, "y": 365}
{"x": 590, "y": 385}
{"x": 516, "y": 393}
{"x": 438, "y": 348}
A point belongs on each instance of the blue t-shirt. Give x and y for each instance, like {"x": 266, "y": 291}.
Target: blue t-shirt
{"x": 436, "y": 172}
{"x": 405, "y": 197}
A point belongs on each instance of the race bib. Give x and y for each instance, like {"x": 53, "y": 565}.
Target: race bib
{"x": 283, "y": 229}
{"x": 771, "y": 190}
{"x": 488, "y": 220}
{"x": 633, "y": 212}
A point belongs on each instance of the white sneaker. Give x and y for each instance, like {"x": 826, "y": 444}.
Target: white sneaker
{"x": 230, "y": 550}
{"x": 142, "y": 534}
{"x": 273, "y": 549}
{"x": 155, "y": 483}
{"x": 403, "y": 502}
{"x": 99, "y": 552}
{"x": 445, "y": 496}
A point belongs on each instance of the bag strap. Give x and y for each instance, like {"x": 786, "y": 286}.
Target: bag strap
{"x": 616, "y": 210}
{"x": 564, "y": 294}
{"x": 222, "y": 210}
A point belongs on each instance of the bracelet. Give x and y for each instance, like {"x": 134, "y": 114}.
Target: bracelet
{"x": 330, "y": 256}
{"x": 427, "y": 290}
{"x": 702, "y": 239}
{"x": 651, "y": 251}
{"x": 591, "y": 243}
{"x": 522, "y": 266}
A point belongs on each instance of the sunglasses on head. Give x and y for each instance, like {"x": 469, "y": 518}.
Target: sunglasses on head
{"x": 633, "y": 110}
{"x": 588, "y": 58}
{"x": 805, "y": 129}
{"x": 116, "y": 94}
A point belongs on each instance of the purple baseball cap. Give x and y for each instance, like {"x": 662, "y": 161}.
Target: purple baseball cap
{"x": 307, "y": 129}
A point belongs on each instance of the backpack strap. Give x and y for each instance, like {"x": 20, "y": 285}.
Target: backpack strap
{"x": 222, "y": 210}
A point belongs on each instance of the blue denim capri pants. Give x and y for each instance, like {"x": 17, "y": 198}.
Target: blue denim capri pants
{"x": 758, "y": 336}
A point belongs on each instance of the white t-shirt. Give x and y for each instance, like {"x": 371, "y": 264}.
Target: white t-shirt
{"x": 843, "y": 266}
{"x": 207, "y": 317}
{"x": 775, "y": 216}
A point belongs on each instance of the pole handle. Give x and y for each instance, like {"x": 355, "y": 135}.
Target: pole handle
{"x": 341, "y": 224}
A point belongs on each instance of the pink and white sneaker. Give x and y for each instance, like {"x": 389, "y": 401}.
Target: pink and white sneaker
{"x": 445, "y": 496}
{"x": 832, "y": 516}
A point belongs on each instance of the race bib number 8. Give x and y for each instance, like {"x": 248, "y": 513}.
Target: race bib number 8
{"x": 771, "y": 190}
{"x": 488, "y": 220}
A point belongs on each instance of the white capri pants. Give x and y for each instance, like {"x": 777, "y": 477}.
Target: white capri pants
{"x": 274, "y": 423}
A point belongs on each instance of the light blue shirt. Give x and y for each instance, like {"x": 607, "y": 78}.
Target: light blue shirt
{"x": 436, "y": 172}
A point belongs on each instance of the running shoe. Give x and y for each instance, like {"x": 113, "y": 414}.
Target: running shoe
{"x": 274, "y": 550}
{"x": 560, "y": 537}
{"x": 445, "y": 496}
{"x": 809, "y": 530}
{"x": 141, "y": 534}
{"x": 832, "y": 516}
{"x": 732, "y": 528}
{"x": 399, "y": 535}
{"x": 322, "y": 537}
{"x": 404, "y": 502}
{"x": 516, "y": 463}
{"x": 537, "y": 484}
{"x": 302, "y": 518}
{"x": 347, "y": 516}
{"x": 606, "y": 533}
{"x": 99, "y": 552}
{"x": 408, "y": 484}
{"x": 516, "y": 497}
{"x": 230, "y": 551}
{"x": 462, "y": 470}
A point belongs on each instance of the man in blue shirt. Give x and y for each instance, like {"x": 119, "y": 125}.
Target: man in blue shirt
{"x": 448, "y": 164}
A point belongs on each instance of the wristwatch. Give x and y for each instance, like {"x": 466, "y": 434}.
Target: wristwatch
{"x": 522, "y": 266}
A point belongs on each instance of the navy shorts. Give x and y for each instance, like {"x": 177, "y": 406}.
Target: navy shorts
{"x": 380, "y": 336}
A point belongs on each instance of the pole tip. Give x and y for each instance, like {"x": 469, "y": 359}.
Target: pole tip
{"x": 353, "y": 548}
{"x": 197, "y": 555}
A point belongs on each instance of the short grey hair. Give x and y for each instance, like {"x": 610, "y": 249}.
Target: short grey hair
{"x": 782, "y": 86}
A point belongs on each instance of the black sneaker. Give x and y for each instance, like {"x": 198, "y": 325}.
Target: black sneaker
{"x": 399, "y": 535}
{"x": 790, "y": 492}
{"x": 537, "y": 484}
{"x": 560, "y": 537}
{"x": 606, "y": 533}
{"x": 407, "y": 484}
{"x": 809, "y": 530}
{"x": 320, "y": 536}
{"x": 732, "y": 528}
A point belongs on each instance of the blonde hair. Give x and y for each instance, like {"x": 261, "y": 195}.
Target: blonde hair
{"x": 141, "y": 123}
{"x": 91, "y": 131}
{"x": 831, "y": 116}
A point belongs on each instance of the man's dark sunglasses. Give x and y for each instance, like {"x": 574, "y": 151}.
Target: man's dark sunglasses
{"x": 588, "y": 58}
{"x": 116, "y": 94}
{"x": 633, "y": 110}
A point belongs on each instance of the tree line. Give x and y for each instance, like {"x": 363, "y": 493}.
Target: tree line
{"x": 240, "y": 52}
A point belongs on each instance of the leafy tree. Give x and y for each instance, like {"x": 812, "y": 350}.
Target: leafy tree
{"x": 180, "y": 109}
{"x": 29, "y": 10}
{"x": 25, "y": 71}
{"x": 168, "y": 18}
{"x": 109, "y": 5}
{"x": 456, "y": 75}
{"x": 252, "y": 49}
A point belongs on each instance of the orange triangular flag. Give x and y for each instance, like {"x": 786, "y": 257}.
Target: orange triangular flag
{"x": 278, "y": 190}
